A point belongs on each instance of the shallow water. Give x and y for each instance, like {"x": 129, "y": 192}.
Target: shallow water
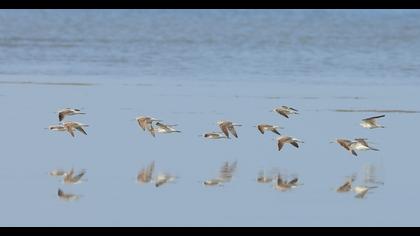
{"x": 193, "y": 68}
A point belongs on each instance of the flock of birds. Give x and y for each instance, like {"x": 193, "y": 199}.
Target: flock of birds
{"x": 154, "y": 126}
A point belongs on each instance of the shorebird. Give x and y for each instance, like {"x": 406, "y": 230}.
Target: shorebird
{"x": 145, "y": 175}
{"x": 286, "y": 139}
{"x": 361, "y": 191}
{"x": 57, "y": 172}
{"x": 162, "y": 128}
{"x": 360, "y": 144}
{"x": 228, "y": 126}
{"x": 346, "y": 187}
{"x": 68, "y": 112}
{"x": 263, "y": 179}
{"x": 214, "y": 135}
{"x": 346, "y": 144}
{"x": 70, "y": 179}
{"x": 285, "y": 111}
{"x": 225, "y": 175}
{"x": 70, "y": 126}
{"x": 265, "y": 127}
{"x": 284, "y": 185}
{"x": 145, "y": 122}
{"x": 67, "y": 196}
{"x": 163, "y": 179}
{"x": 370, "y": 123}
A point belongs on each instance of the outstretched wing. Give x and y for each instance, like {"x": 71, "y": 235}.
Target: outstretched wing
{"x": 374, "y": 117}
{"x": 293, "y": 181}
{"x": 224, "y": 129}
{"x": 232, "y": 130}
{"x": 283, "y": 113}
{"x": 261, "y": 128}
{"x": 79, "y": 128}
{"x": 274, "y": 130}
{"x": 294, "y": 143}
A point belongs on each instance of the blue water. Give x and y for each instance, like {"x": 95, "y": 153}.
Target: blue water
{"x": 193, "y": 68}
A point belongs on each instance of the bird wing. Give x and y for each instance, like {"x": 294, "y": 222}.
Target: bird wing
{"x": 224, "y": 129}
{"x": 283, "y": 113}
{"x": 79, "y": 128}
{"x": 293, "y": 181}
{"x": 280, "y": 144}
{"x": 274, "y": 130}
{"x": 294, "y": 143}
{"x": 362, "y": 193}
{"x": 60, "y": 116}
{"x": 362, "y": 141}
{"x": 279, "y": 180}
{"x": 344, "y": 143}
{"x": 151, "y": 130}
{"x": 163, "y": 126}
{"x": 232, "y": 130}
{"x": 373, "y": 117}
{"x": 79, "y": 176}
{"x": 70, "y": 130}
{"x": 142, "y": 123}
{"x": 345, "y": 187}
{"x": 261, "y": 128}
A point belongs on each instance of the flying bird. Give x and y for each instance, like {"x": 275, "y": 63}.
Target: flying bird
{"x": 360, "y": 144}
{"x": 70, "y": 126}
{"x": 69, "y": 177}
{"x": 68, "y": 112}
{"x": 162, "y": 128}
{"x": 145, "y": 122}
{"x": 285, "y": 111}
{"x": 287, "y": 139}
{"x": 265, "y": 127}
{"x": 228, "y": 126}
{"x": 346, "y": 144}
{"x": 370, "y": 123}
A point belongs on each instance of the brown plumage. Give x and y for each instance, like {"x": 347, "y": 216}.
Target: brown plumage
{"x": 286, "y": 139}
{"x": 265, "y": 127}
{"x": 346, "y": 144}
{"x": 285, "y": 111}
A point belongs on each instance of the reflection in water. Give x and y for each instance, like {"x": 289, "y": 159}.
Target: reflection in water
{"x": 67, "y": 196}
